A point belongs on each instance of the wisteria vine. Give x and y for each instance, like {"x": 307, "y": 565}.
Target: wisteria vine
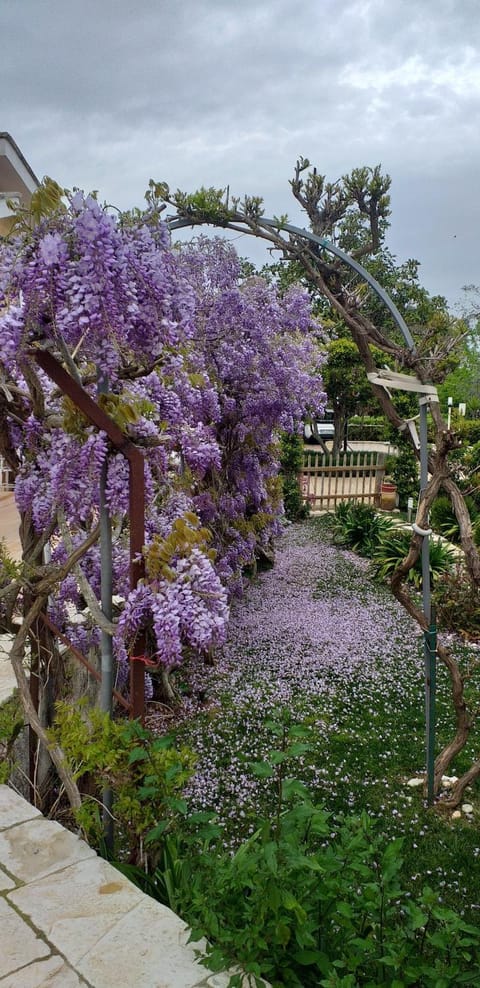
{"x": 204, "y": 370}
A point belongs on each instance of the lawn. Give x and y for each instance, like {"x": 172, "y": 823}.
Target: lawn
{"x": 317, "y": 640}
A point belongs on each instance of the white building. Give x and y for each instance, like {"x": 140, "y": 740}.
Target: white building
{"x": 17, "y": 180}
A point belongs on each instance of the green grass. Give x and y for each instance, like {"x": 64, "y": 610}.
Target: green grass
{"x": 367, "y": 738}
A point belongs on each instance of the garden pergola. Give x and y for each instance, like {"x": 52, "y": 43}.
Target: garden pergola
{"x": 427, "y": 394}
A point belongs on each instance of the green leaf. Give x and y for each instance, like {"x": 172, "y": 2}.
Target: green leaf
{"x": 157, "y": 832}
{"x": 297, "y": 748}
{"x": 262, "y": 770}
{"x": 137, "y": 755}
{"x": 292, "y": 787}
{"x": 313, "y": 958}
{"x": 178, "y": 805}
{"x": 345, "y": 909}
{"x": 277, "y": 757}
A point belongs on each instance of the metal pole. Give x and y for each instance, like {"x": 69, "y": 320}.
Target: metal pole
{"x": 106, "y": 689}
{"x": 106, "y": 683}
{"x": 429, "y": 658}
{"x": 431, "y": 693}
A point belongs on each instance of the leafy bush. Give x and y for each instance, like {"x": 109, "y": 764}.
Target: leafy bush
{"x": 11, "y": 723}
{"x": 393, "y": 548}
{"x": 311, "y": 901}
{"x": 443, "y": 519}
{"x": 146, "y": 773}
{"x": 291, "y": 463}
{"x": 458, "y": 603}
{"x": 405, "y": 474}
{"x": 357, "y": 526}
{"x": 468, "y": 429}
{"x": 9, "y": 570}
{"x": 369, "y": 428}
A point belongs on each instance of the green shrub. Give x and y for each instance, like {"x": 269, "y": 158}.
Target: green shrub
{"x": 146, "y": 773}
{"x": 291, "y": 463}
{"x": 405, "y": 474}
{"x": 309, "y": 900}
{"x": 443, "y": 519}
{"x": 468, "y": 430}
{"x": 457, "y": 603}
{"x": 393, "y": 548}
{"x": 357, "y": 526}
{"x": 12, "y": 721}
{"x": 367, "y": 428}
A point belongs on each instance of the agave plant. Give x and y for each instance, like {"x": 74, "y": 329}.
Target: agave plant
{"x": 393, "y": 548}
{"x": 357, "y": 526}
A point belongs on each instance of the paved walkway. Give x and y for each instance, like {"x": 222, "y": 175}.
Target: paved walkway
{"x": 9, "y": 524}
{"x": 69, "y": 919}
{"x": 7, "y": 677}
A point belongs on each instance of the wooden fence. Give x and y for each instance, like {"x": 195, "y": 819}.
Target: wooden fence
{"x": 350, "y": 476}
{"x": 6, "y": 476}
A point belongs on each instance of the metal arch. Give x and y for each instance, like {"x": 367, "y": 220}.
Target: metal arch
{"x": 430, "y": 633}
{"x": 296, "y": 231}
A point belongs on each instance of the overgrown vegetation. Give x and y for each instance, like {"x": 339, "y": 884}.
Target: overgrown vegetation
{"x": 291, "y": 464}
{"x": 313, "y": 896}
{"x": 11, "y": 724}
{"x": 359, "y": 527}
{"x": 146, "y": 774}
{"x": 312, "y": 900}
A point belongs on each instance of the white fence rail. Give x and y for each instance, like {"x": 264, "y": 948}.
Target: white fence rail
{"x": 328, "y": 479}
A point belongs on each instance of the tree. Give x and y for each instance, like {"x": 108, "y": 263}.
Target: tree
{"x": 346, "y": 384}
{"x": 352, "y": 213}
{"x": 199, "y": 371}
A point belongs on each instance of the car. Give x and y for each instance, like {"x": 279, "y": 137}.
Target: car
{"x": 320, "y": 429}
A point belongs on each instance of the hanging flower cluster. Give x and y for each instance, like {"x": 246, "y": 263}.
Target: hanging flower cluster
{"x": 202, "y": 372}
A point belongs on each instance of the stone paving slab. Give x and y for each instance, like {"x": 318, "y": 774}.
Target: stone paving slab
{"x": 52, "y": 972}
{"x": 20, "y": 943}
{"x": 14, "y": 809}
{"x": 68, "y": 919}
{"x": 75, "y": 924}
{"x": 39, "y": 847}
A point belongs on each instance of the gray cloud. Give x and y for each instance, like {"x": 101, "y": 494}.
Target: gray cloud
{"x": 107, "y": 94}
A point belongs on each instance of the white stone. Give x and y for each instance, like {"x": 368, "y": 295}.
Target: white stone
{"x": 39, "y": 847}
{"x": 456, "y": 815}
{"x": 20, "y": 944}
{"x": 50, "y": 973}
{"x": 160, "y": 958}
{"x": 76, "y": 907}
{"x": 14, "y": 809}
{"x": 467, "y": 808}
{"x": 414, "y": 783}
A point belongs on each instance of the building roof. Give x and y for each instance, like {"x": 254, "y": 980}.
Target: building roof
{"x": 16, "y": 176}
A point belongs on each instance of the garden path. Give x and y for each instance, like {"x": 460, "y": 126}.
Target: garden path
{"x": 69, "y": 919}
{"x": 313, "y": 636}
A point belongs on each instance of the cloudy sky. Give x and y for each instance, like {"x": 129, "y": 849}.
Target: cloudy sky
{"x": 105, "y": 94}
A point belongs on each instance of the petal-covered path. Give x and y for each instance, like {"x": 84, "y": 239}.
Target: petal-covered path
{"x": 316, "y": 637}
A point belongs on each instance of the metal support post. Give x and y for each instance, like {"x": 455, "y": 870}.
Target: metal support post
{"x": 106, "y": 683}
{"x": 429, "y": 661}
